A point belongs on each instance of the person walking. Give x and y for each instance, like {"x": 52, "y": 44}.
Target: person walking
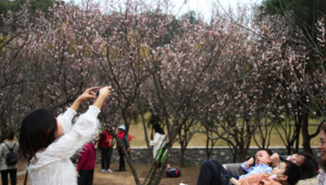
{"x": 5, "y": 168}
{"x": 105, "y": 145}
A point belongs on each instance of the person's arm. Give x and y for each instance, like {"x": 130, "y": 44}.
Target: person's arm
{"x": 100, "y": 141}
{"x": 275, "y": 159}
{"x": 87, "y": 94}
{"x": 234, "y": 181}
{"x": 127, "y": 142}
{"x": 246, "y": 165}
{"x": 82, "y": 131}
{"x": 104, "y": 93}
{"x": 156, "y": 139}
{"x": 249, "y": 162}
{"x": 66, "y": 118}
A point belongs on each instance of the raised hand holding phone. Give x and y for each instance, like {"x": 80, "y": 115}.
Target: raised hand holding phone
{"x": 103, "y": 94}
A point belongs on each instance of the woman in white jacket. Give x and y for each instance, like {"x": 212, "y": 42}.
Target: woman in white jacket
{"x": 48, "y": 143}
{"x": 159, "y": 138}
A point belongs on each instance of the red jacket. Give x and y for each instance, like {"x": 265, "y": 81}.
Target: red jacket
{"x": 86, "y": 160}
{"x": 105, "y": 140}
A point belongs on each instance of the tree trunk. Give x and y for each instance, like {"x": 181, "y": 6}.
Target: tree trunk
{"x": 305, "y": 133}
{"x": 182, "y": 163}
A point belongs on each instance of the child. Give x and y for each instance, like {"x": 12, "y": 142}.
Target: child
{"x": 287, "y": 173}
{"x": 48, "y": 143}
{"x": 261, "y": 163}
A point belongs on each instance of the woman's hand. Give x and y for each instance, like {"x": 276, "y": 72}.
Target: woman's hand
{"x": 104, "y": 93}
{"x": 87, "y": 94}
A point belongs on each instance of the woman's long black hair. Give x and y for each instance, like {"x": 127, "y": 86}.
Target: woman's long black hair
{"x": 158, "y": 129}
{"x": 37, "y": 131}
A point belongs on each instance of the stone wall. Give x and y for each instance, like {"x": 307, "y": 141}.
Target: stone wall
{"x": 193, "y": 155}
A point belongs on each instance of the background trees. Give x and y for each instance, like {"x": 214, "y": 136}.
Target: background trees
{"x": 233, "y": 78}
{"x": 303, "y": 17}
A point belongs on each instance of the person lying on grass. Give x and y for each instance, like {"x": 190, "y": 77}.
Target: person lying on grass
{"x": 212, "y": 171}
{"x": 306, "y": 163}
{"x": 286, "y": 173}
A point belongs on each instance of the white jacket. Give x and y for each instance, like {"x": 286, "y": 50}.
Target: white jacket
{"x": 52, "y": 166}
{"x": 321, "y": 177}
{"x": 157, "y": 143}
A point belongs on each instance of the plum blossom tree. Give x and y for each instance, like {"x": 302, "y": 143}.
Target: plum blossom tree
{"x": 290, "y": 53}
{"x": 232, "y": 81}
{"x": 13, "y": 38}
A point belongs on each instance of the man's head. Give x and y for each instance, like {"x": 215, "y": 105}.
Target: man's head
{"x": 11, "y": 135}
{"x": 308, "y": 165}
{"x": 263, "y": 156}
{"x": 296, "y": 159}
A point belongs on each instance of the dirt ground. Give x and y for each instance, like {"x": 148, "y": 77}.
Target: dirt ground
{"x": 189, "y": 176}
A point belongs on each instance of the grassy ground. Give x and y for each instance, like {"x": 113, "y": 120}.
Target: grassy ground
{"x": 200, "y": 139}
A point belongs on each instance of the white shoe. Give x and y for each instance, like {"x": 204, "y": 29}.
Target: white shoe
{"x": 103, "y": 171}
{"x": 109, "y": 171}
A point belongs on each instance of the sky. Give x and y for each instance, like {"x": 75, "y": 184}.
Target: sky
{"x": 202, "y": 7}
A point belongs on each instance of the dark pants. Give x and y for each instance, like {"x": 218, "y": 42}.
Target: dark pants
{"x": 213, "y": 173}
{"x": 122, "y": 161}
{"x": 106, "y": 158}
{"x": 85, "y": 177}
{"x": 13, "y": 176}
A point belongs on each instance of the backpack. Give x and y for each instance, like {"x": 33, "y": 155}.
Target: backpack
{"x": 11, "y": 158}
{"x": 173, "y": 172}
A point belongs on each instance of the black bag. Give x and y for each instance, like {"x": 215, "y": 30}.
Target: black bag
{"x": 173, "y": 172}
{"x": 11, "y": 158}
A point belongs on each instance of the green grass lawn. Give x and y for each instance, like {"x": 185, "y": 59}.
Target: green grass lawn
{"x": 137, "y": 131}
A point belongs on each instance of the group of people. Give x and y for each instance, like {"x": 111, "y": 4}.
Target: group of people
{"x": 267, "y": 168}
{"x": 47, "y": 143}
{"x": 87, "y": 156}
